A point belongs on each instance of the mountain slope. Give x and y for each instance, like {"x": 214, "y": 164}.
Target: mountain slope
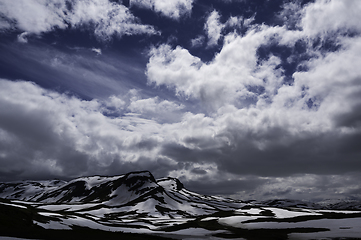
{"x": 134, "y": 190}
{"x": 138, "y": 203}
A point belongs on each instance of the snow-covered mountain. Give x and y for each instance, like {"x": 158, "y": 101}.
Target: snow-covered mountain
{"x": 163, "y": 196}
{"x": 136, "y": 202}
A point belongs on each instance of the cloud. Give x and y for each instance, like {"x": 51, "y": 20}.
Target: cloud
{"x": 22, "y": 37}
{"x": 49, "y": 134}
{"x": 309, "y": 187}
{"x": 77, "y": 70}
{"x": 236, "y": 65}
{"x": 258, "y": 122}
{"x": 323, "y": 17}
{"x": 198, "y": 41}
{"x": 213, "y": 28}
{"x": 208, "y": 186}
{"x": 98, "y": 51}
{"x": 105, "y": 17}
{"x": 34, "y": 16}
{"x": 171, "y": 8}
{"x": 275, "y": 113}
{"x": 290, "y": 15}
{"x": 155, "y": 109}
{"x": 109, "y": 19}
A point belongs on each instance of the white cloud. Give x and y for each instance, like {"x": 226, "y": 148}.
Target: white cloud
{"x": 213, "y": 28}
{"x": 35, "y": 16}
{"x": 173, "y": 68}
{"x": 225, "y": 79}
{"x": 291, "y": 14}
{"x": 116, "y": 102}
{"x": 170, "y": 8}
{"x": 253, "y": 116}
{"x": 154, "y": 108}
{"x": 325, "y": 16}
{"x": 98, "y": 51}
{"x": 22, "y": 37}
{"x": 108, "y": 18}
{"x": 198, "y": 41}
{"x": 235, "y": 22}
{"x": 337, "y": 87}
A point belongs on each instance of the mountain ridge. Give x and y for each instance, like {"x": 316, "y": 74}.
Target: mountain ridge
{"x": 123, "y": 190}
{"x": 99, "y": 188}
{"x": 136, "y": 202}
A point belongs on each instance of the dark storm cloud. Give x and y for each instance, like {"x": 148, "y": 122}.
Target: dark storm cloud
{"x": 184, "y": 154}
{"x": 45, "y": 134}
{"x": 199, "y": 171}
{"x": 312, "y": 187}
{"x": 32, "y": 147}
{"x": 319, "y": 154}
{"x": 210, "y": 186}
{"x": 352, "y": 118}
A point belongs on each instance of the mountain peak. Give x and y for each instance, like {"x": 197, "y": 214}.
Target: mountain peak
{"x": 170, "y": 183}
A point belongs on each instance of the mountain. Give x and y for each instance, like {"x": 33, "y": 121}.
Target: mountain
{"x": 136, "y": 202}
{"x": 163, "y": 196}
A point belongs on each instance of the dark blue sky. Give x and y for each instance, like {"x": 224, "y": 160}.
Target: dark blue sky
{"x": 262, "y": 96}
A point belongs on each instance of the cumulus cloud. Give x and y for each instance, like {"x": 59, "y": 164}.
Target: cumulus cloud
{"x": 323, "y": 16}
{"x": 213, "y": 28}
{"x": 156, "y": 109}
{"x": 171, "y": 8}
{"x": 229, "y": 78}
{"x": 258, "y": 122}
{"x": 107, "y": 18}
{"x": 34, "y": 16}
{"x": 290, "y": 14}
{"x": 46, "y": 133}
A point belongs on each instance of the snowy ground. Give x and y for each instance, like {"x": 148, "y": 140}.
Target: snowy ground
{"x": 12, "y": 238}
{"x": 143, "y": 205}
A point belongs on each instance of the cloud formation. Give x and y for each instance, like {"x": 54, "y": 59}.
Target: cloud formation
{"x": 230, "y": 78}
{"x": 323, "y": 17}
{"x": 274, "y": 113}
{"x": 47, "y": 133}
{"x": 262, "y": 124}
{"x": 213, "y": 28}
{"x": 105, "y": 17}
{"x": 171, "y": 8}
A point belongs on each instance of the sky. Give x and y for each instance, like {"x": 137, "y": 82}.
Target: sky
{"x": 251, "y": 99}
